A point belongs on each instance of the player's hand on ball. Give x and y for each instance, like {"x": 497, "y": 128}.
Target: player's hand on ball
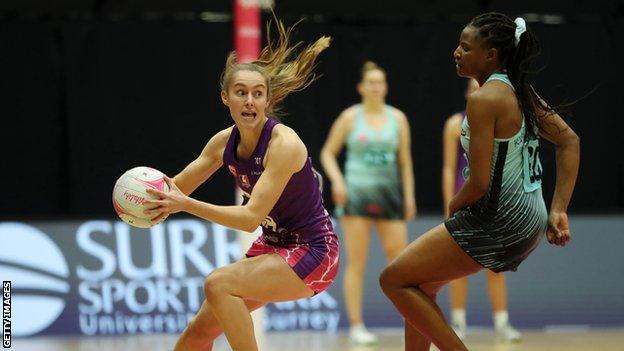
{"x": 558, "y": 232}
{"x": 171, "y": 202}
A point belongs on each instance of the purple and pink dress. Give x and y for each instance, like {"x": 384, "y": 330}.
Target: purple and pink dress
{"x": 298, "y": 228}
{"x": 462, "y": 166}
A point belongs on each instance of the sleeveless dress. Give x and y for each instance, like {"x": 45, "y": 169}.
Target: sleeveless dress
{"x": 502, "y": 228}
{"x": 371, "y": 169}
{"x": 298, "y": 228}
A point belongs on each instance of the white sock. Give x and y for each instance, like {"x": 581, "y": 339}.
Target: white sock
{"x": 458, "y": 317}
{"x": 501, "y": 318}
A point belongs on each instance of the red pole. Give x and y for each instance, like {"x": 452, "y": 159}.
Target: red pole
{"x": 247, "y": 38}
{"x": 247, "y": 31}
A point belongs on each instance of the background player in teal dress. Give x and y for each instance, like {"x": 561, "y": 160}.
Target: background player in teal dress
{"x": 454, "y": 162}
{"x": 499, "y": 215}
{"x": 377, "y": 186}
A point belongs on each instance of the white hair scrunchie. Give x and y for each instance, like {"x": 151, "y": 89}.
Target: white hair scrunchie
{"x": 520, "y": 28}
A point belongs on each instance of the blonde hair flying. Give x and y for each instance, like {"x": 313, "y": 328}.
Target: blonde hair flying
{"x": 282, "y": 76}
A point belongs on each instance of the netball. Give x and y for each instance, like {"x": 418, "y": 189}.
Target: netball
{"x": 129, "y": 195}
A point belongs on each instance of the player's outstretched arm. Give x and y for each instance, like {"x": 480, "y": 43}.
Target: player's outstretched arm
{"x": 200, "y": 169}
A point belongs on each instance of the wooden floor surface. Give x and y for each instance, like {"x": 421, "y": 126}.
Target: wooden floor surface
{"x": 390, "y": 340}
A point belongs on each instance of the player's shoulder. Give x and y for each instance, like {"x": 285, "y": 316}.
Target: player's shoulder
{"x": 455, "y": 120}
{"x": 453, "y": 124}
{"x": 398, "y": 114}
{"x": 221, "y": 137}
{"x": 285, "y": 137}
{"x": 225, "y": 133}
{"x": 492, "y": 92}
{"x": 286, "y": 144}
{"x": 489, "y": 99}
{"x": 217, "y": 143}
{"x": 348, "y": 114}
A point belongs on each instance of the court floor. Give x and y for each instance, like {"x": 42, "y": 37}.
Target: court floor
{"x": 390, "y": 340}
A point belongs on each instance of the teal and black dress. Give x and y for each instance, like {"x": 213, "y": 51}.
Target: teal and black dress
{"x": 371, "y": 170}
{"x": 501, "y": 229}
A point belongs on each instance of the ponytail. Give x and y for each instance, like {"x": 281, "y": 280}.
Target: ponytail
{"x": 517, "y": 48}
{"x": 282, "y": 73}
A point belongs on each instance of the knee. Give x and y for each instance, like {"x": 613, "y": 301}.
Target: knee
{"x": 388, "y": 279}
{"x": 217, "y": 283}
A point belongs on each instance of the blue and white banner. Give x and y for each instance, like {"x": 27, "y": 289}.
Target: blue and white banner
{"x": 103, "y": 277}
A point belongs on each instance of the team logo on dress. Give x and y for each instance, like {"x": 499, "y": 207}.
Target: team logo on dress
{"x": 232, "y": 170}
{"x": 374, "y": 209}
{"x": 244, "y": 180}
{"x": 258, "y": 160}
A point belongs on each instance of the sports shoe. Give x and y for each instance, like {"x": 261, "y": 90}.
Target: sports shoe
{"x": 359, "y": 335}
{"x": 507, "y": 333}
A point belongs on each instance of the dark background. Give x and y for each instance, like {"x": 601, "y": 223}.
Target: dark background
{"x": 89, "y": 89}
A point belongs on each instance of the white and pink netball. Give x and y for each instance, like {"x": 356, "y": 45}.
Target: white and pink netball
{"x": 129, "y": 195}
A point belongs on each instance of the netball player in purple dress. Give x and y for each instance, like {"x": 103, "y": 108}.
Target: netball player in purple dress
{"x": 297, "y": 254}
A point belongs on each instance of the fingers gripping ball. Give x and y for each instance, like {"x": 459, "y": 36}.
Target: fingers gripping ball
{"x": 129, "y": 195}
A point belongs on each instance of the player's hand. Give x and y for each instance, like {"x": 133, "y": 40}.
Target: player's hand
{"x": 170, "y": 202}
{"x": 339, "y": 194}
{"x": 410, "y": 208}
{"x": 558, "y": 232}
